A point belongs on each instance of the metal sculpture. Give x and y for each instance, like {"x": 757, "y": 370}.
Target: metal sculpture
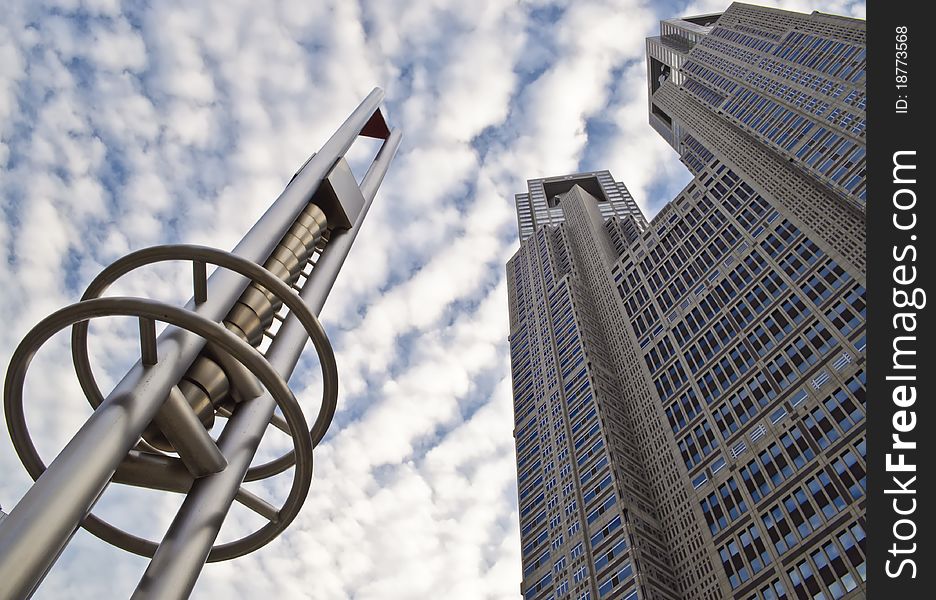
{"x": 152, "y": 430}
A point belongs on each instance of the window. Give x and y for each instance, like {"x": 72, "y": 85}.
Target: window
{"x": 723, "y": 505}
{"x": 776, "y": 466}
{"x": 852, "y": 540}
{"x": 670, "y": 380}
{"x": 801, "y": 257}
{"x": 796, "y": 447}
{"x": 594, "y": 492}
{"x": 754, "y": 480}
{"x": 848, "y": 313}
{"x": 824, "y": 494}
{"x": 820, "y": 428}
{"x": 819, "y": 338}
{"x": 772, "y": 591}
{"x": 851, "y": 471}
{"x": 843, "y": 409}
{"x": 805, "y": 584}
{"x": 683, "y": 410}
{"x": 832, "y": 570}
{"x": 725, "y": 420}
{"x": 794, "y": 309}
{"x": 778, "y": 529}
{"x": 608, "y": 503}
{"x": 698, "y": 444}
{"x": 622, "y": 576}
{"x": 754, "y": 549}
{"x": 733, "y": 564}
{"x": 828, "y": 278}
{"x": 559, "y": 565}
{"x": 544, "y": 557}
{"x": 782, "y": 371}
{"x": 803, "y": 515}
{"x": 607, "y": 556}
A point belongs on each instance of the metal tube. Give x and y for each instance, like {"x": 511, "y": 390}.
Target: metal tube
{"x": 44, "y": 520}
{"x": 378, "y": 169}
{"x": 188, "y": 436}
{"x": 175, "y": 567}
{"x": 182, "y": 553}
{"x": 257, "y": 504}
{"x": 38, "y": 528}
{"x": 157, "y": 472}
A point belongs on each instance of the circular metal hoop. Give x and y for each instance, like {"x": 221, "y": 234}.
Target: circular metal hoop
{"x": 248, "y": 269}
{"x": 207, "y": 329}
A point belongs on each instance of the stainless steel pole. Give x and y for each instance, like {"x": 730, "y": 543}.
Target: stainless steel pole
{"x": 37, "y": 529}
{"x": 39, "y": 526}
{"x": 181, "y": 555}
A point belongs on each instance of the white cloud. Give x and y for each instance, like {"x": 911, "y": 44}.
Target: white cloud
{"x": 182, "y": 121}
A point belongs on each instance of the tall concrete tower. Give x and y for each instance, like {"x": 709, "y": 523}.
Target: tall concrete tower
{"x": 227, "y": 354}
{"x": 689, "y": 393}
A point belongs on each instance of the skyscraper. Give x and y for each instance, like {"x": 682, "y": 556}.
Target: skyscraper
{"x": 794, "y": 83}
{"x": 689, "y": 392}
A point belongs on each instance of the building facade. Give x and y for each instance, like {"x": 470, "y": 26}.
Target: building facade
{"x": 689, "y": 392}
{"x": 794, "y": 83}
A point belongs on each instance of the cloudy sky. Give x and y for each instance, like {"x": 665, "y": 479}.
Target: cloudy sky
{"x": 129, "y": 124}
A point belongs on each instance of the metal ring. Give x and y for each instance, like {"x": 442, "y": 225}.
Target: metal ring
{"x": 250, "y": 270}
{"x": 207, "y": 329}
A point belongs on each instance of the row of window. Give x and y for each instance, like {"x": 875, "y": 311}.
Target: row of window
{"x": 697, "y": 444}
{"x": 724, "y": 372}
{"x": 793, "y": 519}
{"x": 718, "y": 81}
{"x": 831, "y": 570}
{"x": 828, "y": 566}
{"x": 744, "y": 555}
{"x": 846, "y": 410}
{"x": 776, "y": 463}
{"x": 723, "y": 505}
{"x": 796, "y": 358}
{"x": 757, "y": 299}
{"x": 755, "y": 43}
{"x": 828, "y": 56}
{"x": 741, "y": 407}
{"x": 715, "y": 337}
{"x": 695, "y": 155}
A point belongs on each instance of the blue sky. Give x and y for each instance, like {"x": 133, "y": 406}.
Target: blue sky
{"x": 129, "y": 124}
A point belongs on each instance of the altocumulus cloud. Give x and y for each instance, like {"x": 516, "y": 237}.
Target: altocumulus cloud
{"x": 128, "y": 124}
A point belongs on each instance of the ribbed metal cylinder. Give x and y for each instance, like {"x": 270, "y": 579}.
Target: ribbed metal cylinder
{"x": 205, "y": 385}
